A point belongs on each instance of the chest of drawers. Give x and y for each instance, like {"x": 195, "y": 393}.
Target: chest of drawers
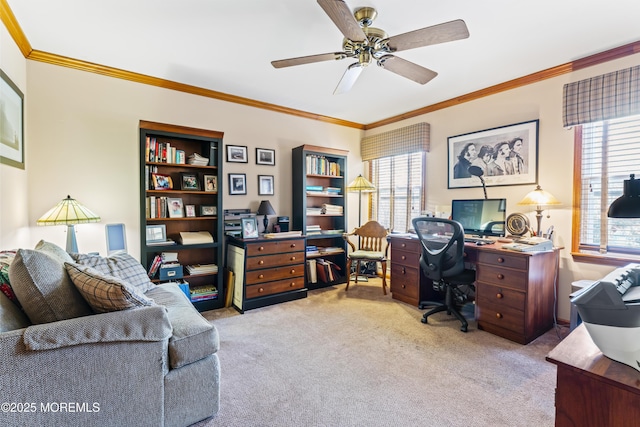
{"x": 266, "y": 271}
{"x": 408, "y": 284}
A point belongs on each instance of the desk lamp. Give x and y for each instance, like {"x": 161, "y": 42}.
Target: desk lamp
{"x": 627, "y": 205}
{"x": 477, "y": 171}
{"x": 539, "y": 198}
{"x": 360, "y": 185}
{"x": 68, "y": 212}
{"x": 265, "y": 209}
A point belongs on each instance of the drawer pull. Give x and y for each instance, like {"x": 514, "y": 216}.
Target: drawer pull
{"x": 261, "y": 262}
{"x": 261, "y": 276}
{"x": 292, "y": 258}
{"x": 404, "y": 271}
{"x": 293, "y": 245}
{"x": 499, "y": 315}
{"x": 260, "y": 290}
{"x": 293, "y": 271}
{"x": 499, "y": 295}
{"x": 500, "y": 260}
{"x": 292, "y": 284}
{"x": 403, "y": 257}
{"x": 500, "y": 276}
{"x": 261, "y": 248}
{"x": 404, "y": 286}
{"x": 404, "y": 245}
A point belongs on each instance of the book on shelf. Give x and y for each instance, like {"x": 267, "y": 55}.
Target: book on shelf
{"x": 312, "y": 272}
{"x": 202, "y": 268}
{"x": 203, "y": 292}
{"x": 311, "y": 210}
{"x": 198, "y": 160}
{"x": 320, "y": 165}
{"x": 154, "y": 266}
{"x": 328, "y": 208}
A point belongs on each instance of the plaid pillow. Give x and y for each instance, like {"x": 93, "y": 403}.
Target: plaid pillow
{"x": 6, "y": 258}
{"x": 105, "y": 293}
{"x": 121, "y": 265}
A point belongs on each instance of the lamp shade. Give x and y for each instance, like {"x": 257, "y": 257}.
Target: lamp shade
{"x": 68, "y": 212}
{"x": 361, "y": 184}
{"x": 627, "y": 205}
{"x": 539, "y": 197}
{"x": 265, "y": 208}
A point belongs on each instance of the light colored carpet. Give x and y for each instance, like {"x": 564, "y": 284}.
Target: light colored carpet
{"x": 358, "y": 358}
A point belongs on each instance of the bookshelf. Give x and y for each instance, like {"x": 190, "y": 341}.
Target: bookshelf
{"x": 181, "y": 202}
{"x": 319, "y": 208}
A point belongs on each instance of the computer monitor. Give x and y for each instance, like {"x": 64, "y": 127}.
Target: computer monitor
{"x": 116, "y": 238}
{"x": 481, "y": 217}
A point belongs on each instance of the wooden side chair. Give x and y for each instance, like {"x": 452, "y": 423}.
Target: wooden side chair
{"x": 374, "y": 246}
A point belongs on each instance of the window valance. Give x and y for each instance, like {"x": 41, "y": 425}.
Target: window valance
{"x": 604, "y": 97}
{"x": 408, "y": 139}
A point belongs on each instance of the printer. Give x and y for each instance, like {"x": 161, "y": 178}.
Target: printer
{"x": 610, "y": 310}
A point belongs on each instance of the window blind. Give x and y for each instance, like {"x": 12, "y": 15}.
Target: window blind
{"x": 409, "y": 139}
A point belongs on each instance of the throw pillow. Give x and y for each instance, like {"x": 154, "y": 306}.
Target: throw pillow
{"x": 44, "y": 289}
{"x": 121, "y": 265}
{"x": 105, "y": 293}
{"x": 6, "y": 258}
{"x": 53, "y": 250}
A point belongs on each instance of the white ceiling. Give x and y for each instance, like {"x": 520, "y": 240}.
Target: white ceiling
{"x": 227, "y": 45}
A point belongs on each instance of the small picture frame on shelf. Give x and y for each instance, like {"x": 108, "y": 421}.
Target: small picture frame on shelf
{"x": 175, "y": 207}
{"x": 190, "y": 211}
{"x": 156, "y": 233}
{"x": 190, "y": 182}
{"x": 265, "y": 156}
{"x": 265, "y": 185}
{"x": 249, "y": 228}
{"x": 237, "y": 183}
{"x": 210, "y": 183}
{"x": 161, "y": 181}
{"x": 208, "y": 210}
{"x": 237, "y": 154}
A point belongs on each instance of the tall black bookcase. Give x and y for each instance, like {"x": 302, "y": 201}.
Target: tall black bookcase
{"x": 319, "y": 208}
{"x": 199, "y": 188}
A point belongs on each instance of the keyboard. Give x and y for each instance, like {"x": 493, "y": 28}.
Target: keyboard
{"x": 479, "y": 240}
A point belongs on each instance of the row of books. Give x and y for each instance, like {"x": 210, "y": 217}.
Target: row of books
{"x": 163, "y": 152}
{"x": 323, "y": 191}
{"x": 323, "y": 271}
{"x": 313, "y": 229}
{"x": 157, "y": 207}
{"x": 203, "y": 292}
{"x": 320, "y": 165}
{"x": 323, "y": 250}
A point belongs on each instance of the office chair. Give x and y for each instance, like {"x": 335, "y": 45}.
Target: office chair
{"x": 442, "y": 261}
{"x": 373, "y": 246}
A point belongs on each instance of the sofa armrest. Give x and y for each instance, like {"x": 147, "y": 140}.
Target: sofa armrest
{"x": 139, "y": 324}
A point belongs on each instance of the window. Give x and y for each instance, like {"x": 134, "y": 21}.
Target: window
{"x": 609, "y": 151}
{"x": 399, "y": 197}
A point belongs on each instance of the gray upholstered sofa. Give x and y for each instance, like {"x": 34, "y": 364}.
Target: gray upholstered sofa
{"x": 69, "y": 359}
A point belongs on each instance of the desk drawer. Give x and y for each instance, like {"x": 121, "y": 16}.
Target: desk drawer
{"x": 503, "y": 316}
{"x": 276, "y": 287}
{"x": 409, "y": 245}
{"x": 277, "y": 273}
{"x": 266, "y": 261}
{"x": 275, "y": 247}
{"x": 503, "y": 259}
{"x": 405, "y": 257}
{"x": 515, "y": 279}
{"x": 498, "y": 296}
{"x": 405, "y": 281}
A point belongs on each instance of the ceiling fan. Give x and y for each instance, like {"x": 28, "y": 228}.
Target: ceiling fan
{"x": 366, "y": 44}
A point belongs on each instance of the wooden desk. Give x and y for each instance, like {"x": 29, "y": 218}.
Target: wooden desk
{"x": 593, "y": 390}
{"x": 514, "y": 290}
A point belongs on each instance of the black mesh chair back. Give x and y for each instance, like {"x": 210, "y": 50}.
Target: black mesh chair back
{"x": 442, "y": 261}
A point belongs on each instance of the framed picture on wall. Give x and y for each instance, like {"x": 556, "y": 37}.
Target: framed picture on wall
{"x": 237, "y": 154}
{"x": 12, "y": 129}
{"x": 265, "y": 156}
{"x": 265, "y": 185}
{"x": 505, "y": 155}
{"x": 237, "y": 183}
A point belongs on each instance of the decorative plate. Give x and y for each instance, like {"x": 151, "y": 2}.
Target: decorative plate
{"x": 517, "y": 224}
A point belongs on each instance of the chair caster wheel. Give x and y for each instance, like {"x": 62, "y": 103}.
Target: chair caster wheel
{"x": 423, "y": 320}
{"x": 463, "y": 328}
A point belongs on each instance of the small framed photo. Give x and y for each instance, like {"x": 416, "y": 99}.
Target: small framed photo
{"x": 210, "y": 183}
{"x": 249, "y": 228}
{"x": 237, "y": 183}
{"x": 175, "y": 207}
{"x": 208, "y": 210}
{"x": 156, "y": 233}
{"x": 161, "y": 181}
{"x": 237, "y": 153}
{"x": 264, "y": 156}
{"x": 190, "y": 182}
{"x": 190, "y": 210}
{"x": 265, "y": 185}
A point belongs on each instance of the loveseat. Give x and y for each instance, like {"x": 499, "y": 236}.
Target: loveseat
{"x": 90, "y": 341}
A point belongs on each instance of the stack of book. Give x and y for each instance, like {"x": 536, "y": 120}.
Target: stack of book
{"x": 332, "y": 190}
{"x": 202, "y": 269}
{"x": 203, "y": 292}
{"x": 313, "y": 230}
{"x": 331, "y": 209}
{"x": 311, "y": 210}
{"x": 198, "y": 160}
{"x": 312, "y": 250}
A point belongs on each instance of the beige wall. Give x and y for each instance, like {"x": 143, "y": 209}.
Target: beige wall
{"x": 82, "y": 139}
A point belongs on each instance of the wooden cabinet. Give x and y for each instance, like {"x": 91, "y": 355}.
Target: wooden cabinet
{"x": 193, "y": 186}
{"x": 319, "y": 208}
{"x": 515, "y": 293}
{"x": 408, "y": 284}
{"x": 266, "y": 271}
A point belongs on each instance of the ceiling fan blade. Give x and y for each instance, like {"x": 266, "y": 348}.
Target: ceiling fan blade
{"x": 308, "y": 59}
{"x": 407, "y": 69}
{"x": 348, "y": 78}
{"x": 441, "y": 33}
{"x": 342, "y": 17}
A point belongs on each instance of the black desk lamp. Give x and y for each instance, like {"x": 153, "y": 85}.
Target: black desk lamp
{"x": 627, "y": 205}
{"x": 265, "y": 209}
{"x": 477, "y": 171}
